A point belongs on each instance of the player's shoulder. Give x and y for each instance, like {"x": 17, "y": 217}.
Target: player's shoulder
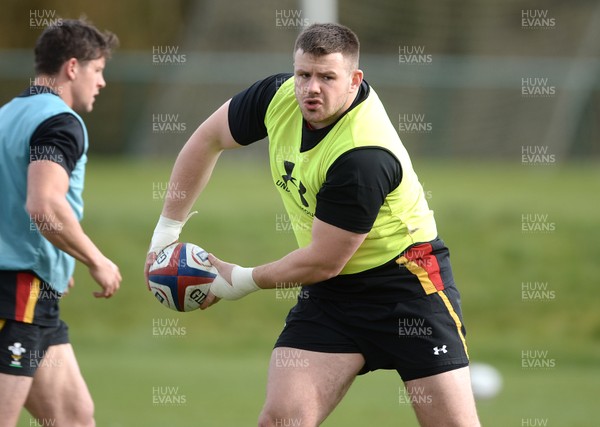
{"x": 63, "y": 123}
{"x": 277, "y": 80}
{"x": 268, "y": 86}
{"x": 368, "y": 160}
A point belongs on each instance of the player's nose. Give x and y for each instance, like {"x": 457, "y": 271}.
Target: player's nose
{"x": 312, "y": 86}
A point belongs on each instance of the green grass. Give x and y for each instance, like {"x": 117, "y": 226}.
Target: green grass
{"x": 219, "y": 362}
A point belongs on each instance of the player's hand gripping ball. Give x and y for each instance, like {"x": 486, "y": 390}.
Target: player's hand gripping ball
{"x": 181, "y": 276}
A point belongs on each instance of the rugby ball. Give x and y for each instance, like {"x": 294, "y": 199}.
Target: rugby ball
{"x": 181, "y": 276}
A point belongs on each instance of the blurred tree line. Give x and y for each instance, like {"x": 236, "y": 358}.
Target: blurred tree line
{"x": 482, "y": 120}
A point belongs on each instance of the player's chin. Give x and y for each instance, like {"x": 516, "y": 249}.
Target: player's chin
{"x": 314, "y": 117}
{"x": 84, "y": 108}
{"x": 89, "y": 106}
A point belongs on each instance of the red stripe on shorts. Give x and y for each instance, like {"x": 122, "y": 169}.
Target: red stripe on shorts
{"x": 24, "y": 281}
{"x": 422, "y": 256}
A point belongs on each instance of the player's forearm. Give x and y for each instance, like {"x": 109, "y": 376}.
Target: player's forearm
{"x": 298, "y": 268}
{"x": 325, "y": 257}
{"x": 191, "y": 173}
{"x": 195, "y": 163}
{"x": 57, "y": 223}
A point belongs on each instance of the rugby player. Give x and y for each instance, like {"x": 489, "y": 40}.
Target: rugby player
{"x": 377, "y": 285}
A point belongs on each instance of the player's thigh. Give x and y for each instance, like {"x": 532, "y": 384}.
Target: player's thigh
{"x": 18, "y": 343}
{"x": 444, "y": 400}
{"x": 13, "y": 392}
{"x": 59, "y": 394}
{"x": 305, "y": 386}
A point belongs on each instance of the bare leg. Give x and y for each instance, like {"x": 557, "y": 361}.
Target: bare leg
{"x": 59, "y": 395}
{"x": 444, "y": 400}
{"x": 13, "y": 393}
{"x": 305, "y": 386}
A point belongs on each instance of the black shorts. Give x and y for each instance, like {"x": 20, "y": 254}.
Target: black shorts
{"x": 23, "y": 345}
{"x": 26, "y": 298}
{"x": 418, "y": 338}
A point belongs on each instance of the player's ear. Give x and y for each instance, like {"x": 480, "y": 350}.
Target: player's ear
{"x": 71, "y": 68}
{"x": 356, "y": 80}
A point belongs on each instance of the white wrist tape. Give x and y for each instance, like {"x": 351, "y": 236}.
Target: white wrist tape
{"x": 166, "y": 232}
{"x": 242, "y": 284}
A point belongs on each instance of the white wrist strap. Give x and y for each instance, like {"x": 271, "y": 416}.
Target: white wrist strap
{"x": 242, "y": 284}
{"x": 166, "y": 232}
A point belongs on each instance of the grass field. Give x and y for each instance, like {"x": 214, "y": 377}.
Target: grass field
{"x": 148, "y": 366}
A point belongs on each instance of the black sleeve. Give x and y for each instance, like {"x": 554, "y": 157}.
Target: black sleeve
{"x": 248, "y": 108}
{"x": 356, "y": 186}
{"x": 58, "y": 139}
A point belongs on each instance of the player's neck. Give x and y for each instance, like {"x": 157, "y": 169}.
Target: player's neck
{"x": 56, "y": 84}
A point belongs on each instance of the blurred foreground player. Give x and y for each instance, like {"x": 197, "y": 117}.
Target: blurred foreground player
{"x": 378, "y": 291}
{"x": 43, "y": 145}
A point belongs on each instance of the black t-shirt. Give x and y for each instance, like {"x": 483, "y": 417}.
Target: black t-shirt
{"x": 356, "y": 184}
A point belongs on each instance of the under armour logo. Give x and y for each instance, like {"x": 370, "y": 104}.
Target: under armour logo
{"x": 289, "y": 168}
{"x": 301, "y": 192}
{"x": 436, "y": 350}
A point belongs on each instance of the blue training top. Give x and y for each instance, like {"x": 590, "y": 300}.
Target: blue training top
{"x": 22, "y": 246}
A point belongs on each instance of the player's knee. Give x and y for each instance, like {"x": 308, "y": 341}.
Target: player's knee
{"x": 83, "y": 415}
{"x": 264, "y": 420}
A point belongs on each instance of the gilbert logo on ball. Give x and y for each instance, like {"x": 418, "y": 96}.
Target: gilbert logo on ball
{"x": 181, "y": 276}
